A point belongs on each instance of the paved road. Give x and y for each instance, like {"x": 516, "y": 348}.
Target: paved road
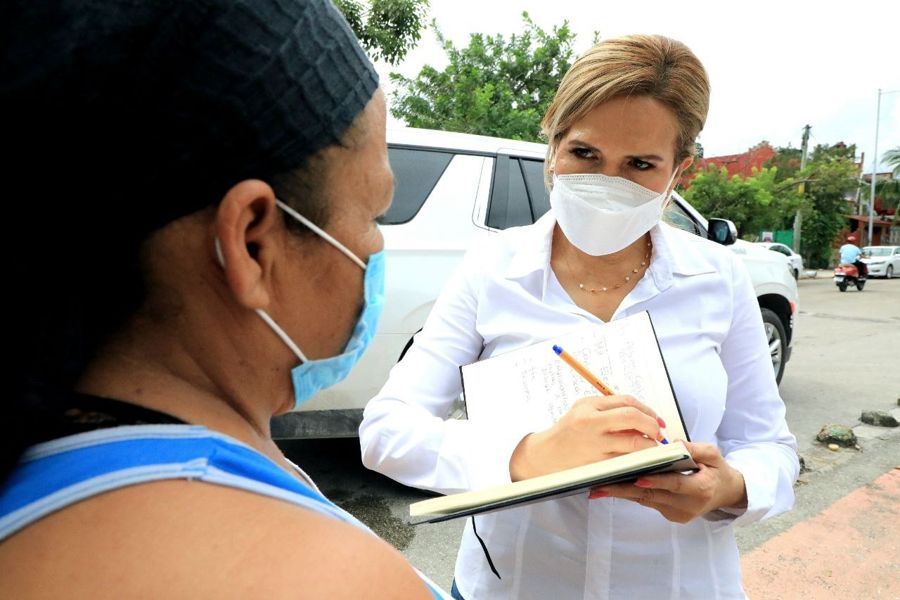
{"x": 846, "y": 355}
{"x": 845, "y": 360}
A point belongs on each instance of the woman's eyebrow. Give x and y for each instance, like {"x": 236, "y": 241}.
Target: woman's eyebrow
{"x": 579, "y": 142}
{"x": 645, "y": 157}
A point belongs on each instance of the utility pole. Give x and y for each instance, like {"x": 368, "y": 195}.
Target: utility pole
{"x": 874, "y": 171}
{"x": 798, "y": 218}
{"x": 881, "y": 93}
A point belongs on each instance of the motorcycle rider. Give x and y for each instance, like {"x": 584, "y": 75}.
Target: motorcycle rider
{"x": 850, "y": 256}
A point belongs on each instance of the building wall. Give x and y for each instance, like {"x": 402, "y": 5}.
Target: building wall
{"x": 736, "y": 164}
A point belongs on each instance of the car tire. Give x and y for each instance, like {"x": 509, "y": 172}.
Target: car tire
{"x": 889, "y": 274}
{"x": 776, "y": 336}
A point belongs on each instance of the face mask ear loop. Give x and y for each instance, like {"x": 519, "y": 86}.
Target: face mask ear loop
{"x": 671, "y": 179}
{"x": 265, "y": 317}
{"x": 280, "y": 333}
{"x": 322, "y": 233}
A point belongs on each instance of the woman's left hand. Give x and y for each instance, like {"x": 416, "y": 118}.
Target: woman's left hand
{"x": 682, "y": 498}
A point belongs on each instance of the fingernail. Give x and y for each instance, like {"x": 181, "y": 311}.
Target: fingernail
{"x": 660, "y": 421}
{"x": 598, "y": 494}
{"x": 643, "y": 483}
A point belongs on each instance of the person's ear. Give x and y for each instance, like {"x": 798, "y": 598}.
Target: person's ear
{"x": 245, "y": 230}
{"x": 681, "y": 169}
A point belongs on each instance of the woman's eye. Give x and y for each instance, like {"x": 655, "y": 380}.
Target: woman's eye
{"x": 641, "y": 165}
{"x": 582, "y": 153}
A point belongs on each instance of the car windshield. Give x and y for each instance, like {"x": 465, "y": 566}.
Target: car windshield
{"x": 870, "y": 251}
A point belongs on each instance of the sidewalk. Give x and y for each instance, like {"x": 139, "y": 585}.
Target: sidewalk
{"x": 851, "y": 549}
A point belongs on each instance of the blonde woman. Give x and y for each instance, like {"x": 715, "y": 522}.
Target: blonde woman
{"x": 621, "y": 132}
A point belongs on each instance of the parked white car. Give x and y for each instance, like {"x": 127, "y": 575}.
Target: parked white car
{"x": 451, "y": 190}
{"x": 794, "y": 259}
{"x": 883, "y": 261}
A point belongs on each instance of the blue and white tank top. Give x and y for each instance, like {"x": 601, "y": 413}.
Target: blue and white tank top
{"x": 61, "y": 472}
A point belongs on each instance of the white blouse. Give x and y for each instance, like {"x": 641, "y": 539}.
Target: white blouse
{"x": 505, "y": 296}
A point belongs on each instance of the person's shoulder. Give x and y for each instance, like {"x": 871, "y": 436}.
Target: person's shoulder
{"x": 286, "y": 548}
{"x": 208, "y": 540}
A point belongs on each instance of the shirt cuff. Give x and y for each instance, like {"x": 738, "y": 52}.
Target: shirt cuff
{"x": 488, "y": 449}
{"x": 760, "y": 493}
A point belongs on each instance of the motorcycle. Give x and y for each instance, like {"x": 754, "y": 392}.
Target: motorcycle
{"x": 847, "y": 274}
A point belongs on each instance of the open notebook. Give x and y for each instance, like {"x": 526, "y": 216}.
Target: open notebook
{"x": 534, "y": 384}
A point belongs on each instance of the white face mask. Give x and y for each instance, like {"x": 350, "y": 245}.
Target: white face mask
{"x": 601, "y": 214}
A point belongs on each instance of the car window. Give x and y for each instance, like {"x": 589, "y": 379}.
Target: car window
{"x": 416, "y": 172}
{"x": 781, "y": 249}
{"x": 509, "y": 205}
{"x": 676, "y": 216}
{"x": 537, "y": 191}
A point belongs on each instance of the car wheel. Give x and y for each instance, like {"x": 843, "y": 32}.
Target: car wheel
{"x": 889, "y": 274}
{"x": 777, "y": 338}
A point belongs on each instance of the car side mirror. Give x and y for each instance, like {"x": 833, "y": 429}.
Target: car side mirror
{"x": 721, "y": 231}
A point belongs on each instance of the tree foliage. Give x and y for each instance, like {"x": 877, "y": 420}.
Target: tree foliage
{"x": 494, "y": 86}
{"x": 388, "y": 29}
{"x": 829, "y": 178}
{"x": 892, "y": 158}
{"x": 770, "y": 197}
{"x": 787, "y": 161}
{"x": 755, "y": 203}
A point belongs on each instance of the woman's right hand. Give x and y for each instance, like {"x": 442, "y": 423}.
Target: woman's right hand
{"x": 595, "y": 428}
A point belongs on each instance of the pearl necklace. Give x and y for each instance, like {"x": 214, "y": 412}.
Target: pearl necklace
{"x": 634, "y": 271}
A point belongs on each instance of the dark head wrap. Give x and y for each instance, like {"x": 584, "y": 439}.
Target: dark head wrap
{"x": 119, "y": 116}
{"x": 160, "y": 98}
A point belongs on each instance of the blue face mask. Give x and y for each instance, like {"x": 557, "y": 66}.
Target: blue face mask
{"x": 313, "y": 376}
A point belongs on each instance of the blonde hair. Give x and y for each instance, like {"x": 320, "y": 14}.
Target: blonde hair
{"x": 636, "y": 65}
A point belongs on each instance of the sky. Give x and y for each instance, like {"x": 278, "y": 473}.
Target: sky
{"x": 773, "y": 66}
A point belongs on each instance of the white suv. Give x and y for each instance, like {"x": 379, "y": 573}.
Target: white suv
{"x": 452, "y": 189}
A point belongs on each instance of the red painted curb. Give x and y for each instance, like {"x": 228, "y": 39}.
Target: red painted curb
{"x": 849, "y": 550}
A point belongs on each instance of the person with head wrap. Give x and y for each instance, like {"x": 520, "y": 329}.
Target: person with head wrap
{"x": 193, "y": 190}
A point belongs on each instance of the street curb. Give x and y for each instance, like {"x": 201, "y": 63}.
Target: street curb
{"x": 831, "y": 476}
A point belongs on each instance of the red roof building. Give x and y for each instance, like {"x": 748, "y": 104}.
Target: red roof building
{"x": 736, "y": 164}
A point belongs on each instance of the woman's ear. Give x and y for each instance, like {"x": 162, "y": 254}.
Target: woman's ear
{"x": 245, "y": 230}
{"x": 681, "y": 169}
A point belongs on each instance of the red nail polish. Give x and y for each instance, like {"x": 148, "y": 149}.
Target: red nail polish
{"x": 660, "y": 421}
{"x": 598, "y": 494}
{"x": 643, "y": 483}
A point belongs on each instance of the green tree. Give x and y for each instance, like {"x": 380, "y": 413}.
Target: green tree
{"x": 493, "y": 86}
{"x": 829, "y": 178}
{"x": 829, "y": 153}
{"x": 892, "y": 158}
{"x": 787, "y": 160}
{"x": 388, "y": 29}
{"x": 698, "y": 151}
{"x": 887, "y": 190}
{"x": 755, "y": 203}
